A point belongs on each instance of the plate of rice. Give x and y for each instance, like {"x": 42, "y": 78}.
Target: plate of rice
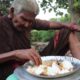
{"x": 53, "y": 67}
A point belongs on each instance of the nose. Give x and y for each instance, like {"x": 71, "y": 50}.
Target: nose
{"x": 28, "y": 24}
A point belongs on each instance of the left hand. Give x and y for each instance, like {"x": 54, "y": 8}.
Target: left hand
{"x": 74, "y": 27}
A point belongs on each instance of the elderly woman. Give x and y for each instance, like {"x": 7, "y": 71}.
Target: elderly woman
{"x": 15, "y": 47}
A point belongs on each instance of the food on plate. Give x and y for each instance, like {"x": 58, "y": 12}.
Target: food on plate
{"x": 51, "y": 68}
{"x": 66, "y": 65}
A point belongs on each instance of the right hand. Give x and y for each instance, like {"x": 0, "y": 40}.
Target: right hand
{"x": 28, "y": 54}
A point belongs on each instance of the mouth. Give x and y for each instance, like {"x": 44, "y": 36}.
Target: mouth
{"x": 23, "y": 28}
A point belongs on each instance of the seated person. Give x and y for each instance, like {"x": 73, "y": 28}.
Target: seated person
{"x": 15, "y": 46}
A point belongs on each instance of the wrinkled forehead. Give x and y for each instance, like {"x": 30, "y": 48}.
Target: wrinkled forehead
{"x": 27, "y": 15}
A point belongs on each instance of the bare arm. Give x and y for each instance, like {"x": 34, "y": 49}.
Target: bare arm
{"x": 6, "y": 47}
{"x": 46, "y": 25}
{"x": 21, "y": 55}
{"x": 6, "y": 56}
{"x": 74, "y": 45}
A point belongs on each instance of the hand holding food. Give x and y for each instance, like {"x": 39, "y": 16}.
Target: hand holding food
{"x": 28, "y": 54}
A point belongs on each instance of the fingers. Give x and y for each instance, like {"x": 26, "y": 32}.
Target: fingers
{"x": 74, "y": 27}
{"x": 29, "y": 57}
{"x": 35, "y": 57}
{"x": 29, "y": 54}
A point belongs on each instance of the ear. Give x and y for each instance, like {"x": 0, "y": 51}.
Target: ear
{"x": 11, "y": 12}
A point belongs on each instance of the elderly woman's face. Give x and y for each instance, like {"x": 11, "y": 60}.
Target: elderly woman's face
{"x": 23, "y": 20}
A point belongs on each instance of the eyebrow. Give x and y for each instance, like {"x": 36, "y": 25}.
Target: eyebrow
{"x": 27, "y": 19}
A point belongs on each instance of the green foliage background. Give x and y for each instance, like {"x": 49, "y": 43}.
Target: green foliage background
{"x": 47, "y": 5}
{"x": 44, "y": 36}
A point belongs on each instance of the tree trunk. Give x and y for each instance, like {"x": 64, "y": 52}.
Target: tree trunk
{"x": 75, "y": 16}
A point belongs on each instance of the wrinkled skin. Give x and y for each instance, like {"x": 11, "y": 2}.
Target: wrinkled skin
{"x": 21, "y": 21}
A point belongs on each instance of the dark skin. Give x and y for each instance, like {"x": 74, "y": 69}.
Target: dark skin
{"x": 26, "y": 20}
{"x": 29, "y": 54}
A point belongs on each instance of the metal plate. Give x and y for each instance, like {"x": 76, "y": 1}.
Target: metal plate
{"x": 74, "y": 61}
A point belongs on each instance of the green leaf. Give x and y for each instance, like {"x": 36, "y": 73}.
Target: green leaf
{"x": 50, "y": 9}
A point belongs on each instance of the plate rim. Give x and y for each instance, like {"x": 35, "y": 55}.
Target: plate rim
{"x": 61, "y": 75}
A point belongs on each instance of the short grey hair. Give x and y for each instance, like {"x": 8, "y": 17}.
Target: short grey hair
{"x": 25, "y": 5}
